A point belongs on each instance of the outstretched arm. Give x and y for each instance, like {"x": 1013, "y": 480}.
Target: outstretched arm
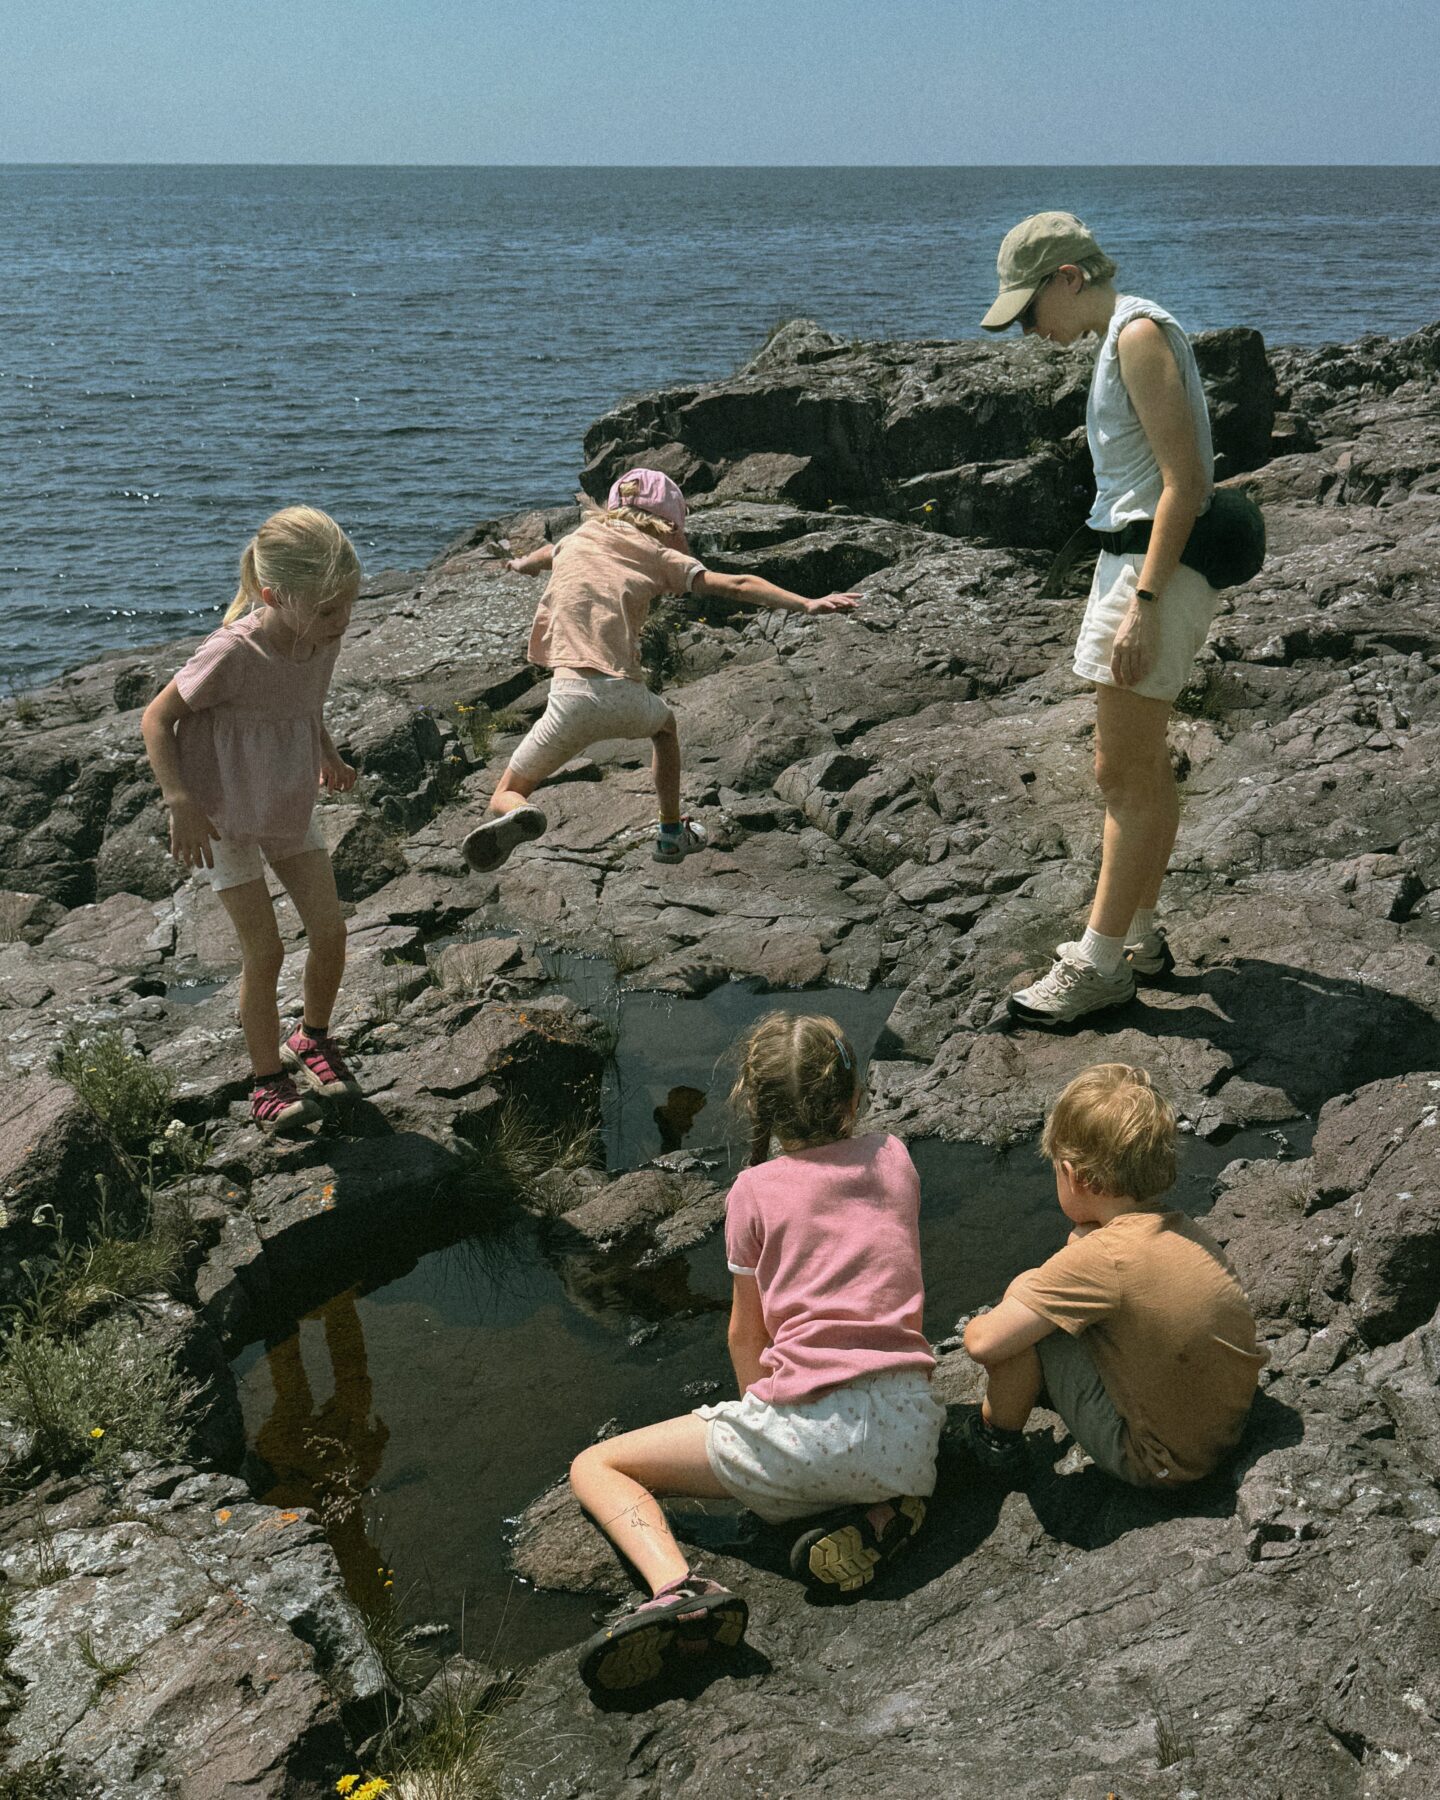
{"x": 534, "y": 562}
{"x": 752, "y": 590}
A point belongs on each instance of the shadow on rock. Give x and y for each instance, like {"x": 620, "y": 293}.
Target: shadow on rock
{"x": 1311, "y": 1035}
{"x": 746, "y": 1664}
{"x": 1089, "y": 1509}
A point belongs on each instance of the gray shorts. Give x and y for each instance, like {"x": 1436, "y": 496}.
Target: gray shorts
{"x": 585, "y": 710}
{"x": 1076, "y": 1392}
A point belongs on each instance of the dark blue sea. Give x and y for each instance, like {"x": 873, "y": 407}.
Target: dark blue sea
{"x": 183, "y": 349}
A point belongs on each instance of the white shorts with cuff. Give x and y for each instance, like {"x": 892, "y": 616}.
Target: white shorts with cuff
{"x": 1184, "y": 612}
{"x": 866, "y": 1441}
{"x": 232, "y": 865}
{"x": 585, "y": 710}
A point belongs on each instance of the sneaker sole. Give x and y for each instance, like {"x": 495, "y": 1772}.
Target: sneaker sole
{"x": 644, "y": 1652}
{"x": 489, "y": 845}
{"x": 1052, "y": 1022}
{"x": 842, "y": 1559}
{"x": 350, "y": 1088}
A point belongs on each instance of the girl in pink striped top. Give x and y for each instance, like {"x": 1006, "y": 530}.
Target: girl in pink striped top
{"x": 239, "y": 747}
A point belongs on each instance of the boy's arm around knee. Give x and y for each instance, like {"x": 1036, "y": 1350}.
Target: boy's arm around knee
{"x": 1011, "y": 1327}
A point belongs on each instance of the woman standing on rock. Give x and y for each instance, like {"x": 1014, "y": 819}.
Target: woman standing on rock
{"x": 239, "y": 747}
{"x": 1148, "y": 613}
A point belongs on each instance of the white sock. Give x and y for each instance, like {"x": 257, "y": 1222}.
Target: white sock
{"x": 1144, "y": 922}
{"x": 1102, "y": 953}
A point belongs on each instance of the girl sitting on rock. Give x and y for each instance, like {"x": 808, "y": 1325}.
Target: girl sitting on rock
{"x": 1148, "y": 613}
{"x": 836, "y": 1411}
{"x": 239, "y": 747}
{"x": 604, "y": 576}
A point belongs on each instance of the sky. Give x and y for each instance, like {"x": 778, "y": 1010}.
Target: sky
{"x": 1049, "y": 82}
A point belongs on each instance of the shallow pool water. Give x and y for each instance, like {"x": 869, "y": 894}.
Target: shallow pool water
{"x": 448, "y": 1398}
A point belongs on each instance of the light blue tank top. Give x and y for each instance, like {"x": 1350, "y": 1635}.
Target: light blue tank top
{"x": 1127, "y": 477}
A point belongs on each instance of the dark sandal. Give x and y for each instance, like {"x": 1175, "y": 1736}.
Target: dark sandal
{"x": 660, "y": 1635}
{"x": 842, "y": 1555}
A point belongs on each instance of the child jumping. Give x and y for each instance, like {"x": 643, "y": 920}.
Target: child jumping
{"x": 239, "y": 748}
{"x": 604, "y": 576}
{"x": 1137, "y": 1329}
{"x": 833, "y": 1368}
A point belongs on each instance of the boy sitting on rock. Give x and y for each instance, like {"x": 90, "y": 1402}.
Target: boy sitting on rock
{"x": 1137, "y": 1332}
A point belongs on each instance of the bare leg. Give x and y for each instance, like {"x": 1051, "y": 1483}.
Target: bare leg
{"x": 1012, "y": 1390}
{"x": 252, "y": 913}
{"x": 310, "y": 882}
{"x": 666, "y": 767}
{"x": 511, "y": 790}
{"x": 1142, "y": 805}
{"x": 616, "y": 1481}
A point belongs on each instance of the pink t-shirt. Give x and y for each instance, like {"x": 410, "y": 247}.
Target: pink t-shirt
{"x": 832, "y": 1238}
{"x": 601, "y": 584}
{"x": 250, "y": 746}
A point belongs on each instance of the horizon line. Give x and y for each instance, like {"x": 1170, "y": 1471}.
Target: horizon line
{"x": 275, "y": 163}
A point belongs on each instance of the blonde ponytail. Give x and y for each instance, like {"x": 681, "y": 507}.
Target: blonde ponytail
{"x": 302, "y": 555}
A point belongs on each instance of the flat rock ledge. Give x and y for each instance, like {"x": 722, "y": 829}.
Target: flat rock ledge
{"x": 901, "y": 797}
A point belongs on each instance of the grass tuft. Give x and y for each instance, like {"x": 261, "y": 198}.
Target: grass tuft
{"x": 129, "y": 1093}
{"x": 85, "y": 1401}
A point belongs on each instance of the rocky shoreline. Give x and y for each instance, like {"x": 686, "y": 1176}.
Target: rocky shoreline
{"x": 901, "y": 797}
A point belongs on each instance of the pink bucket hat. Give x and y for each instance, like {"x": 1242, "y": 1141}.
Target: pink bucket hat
{"x": 653, "y": 493}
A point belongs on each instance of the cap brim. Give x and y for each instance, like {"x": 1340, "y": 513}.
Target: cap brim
{"x": 1008, "y": 307}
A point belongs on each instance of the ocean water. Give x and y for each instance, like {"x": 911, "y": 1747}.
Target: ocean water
{"x": 183, "y": 349}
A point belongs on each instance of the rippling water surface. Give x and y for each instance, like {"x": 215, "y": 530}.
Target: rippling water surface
{"x": 182, "y": 349}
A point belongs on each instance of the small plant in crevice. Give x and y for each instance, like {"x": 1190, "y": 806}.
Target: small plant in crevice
{"x": 478, "y": 726}
{"x": 127, "y": 1091}
{"x": 453, "y": 1754}
{"x": 82, "y": 1402}
{"x": 522, "y": 1146}
{"x": 106, "y": 1673}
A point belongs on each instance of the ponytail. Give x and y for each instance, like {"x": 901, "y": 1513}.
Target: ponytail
{"x": 302, "y": 555}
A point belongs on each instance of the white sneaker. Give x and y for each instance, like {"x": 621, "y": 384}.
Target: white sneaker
{"x": 1072, "y": 989}
{"x": 677, "y": 845}
{"x": 1151, "y": 954}
{"x": 488, "y": 845}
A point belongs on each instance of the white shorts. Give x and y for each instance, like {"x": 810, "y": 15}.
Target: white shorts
{"x": 235, "y": 864}
{"x": 585, "y": 710}
{"x": 867, "y": 1441}
{"x": 1185, "y": 610}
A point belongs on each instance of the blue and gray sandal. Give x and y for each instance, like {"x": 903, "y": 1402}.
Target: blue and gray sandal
{"x": 687, "y": 1618}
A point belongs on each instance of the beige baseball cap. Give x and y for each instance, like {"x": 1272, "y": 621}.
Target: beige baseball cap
{"x": 1030, "y": 254}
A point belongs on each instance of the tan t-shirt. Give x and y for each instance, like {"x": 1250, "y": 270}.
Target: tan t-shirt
{"x": 602, "y": 581}
{"x": 1170, "y": 1330}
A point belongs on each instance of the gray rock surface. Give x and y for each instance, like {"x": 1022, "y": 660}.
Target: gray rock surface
{"x": 903, "y": 796}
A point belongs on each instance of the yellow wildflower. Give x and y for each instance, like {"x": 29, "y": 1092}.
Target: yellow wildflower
{"x": 345, "y": 1783}
{"x": 372, "y": 1789}
{"x": 97, "y": 1431}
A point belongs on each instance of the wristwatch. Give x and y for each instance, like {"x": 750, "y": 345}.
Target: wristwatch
{"x": 1147, "y": 594}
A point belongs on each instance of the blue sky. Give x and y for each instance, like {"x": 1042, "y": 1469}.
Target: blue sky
{"x": 739, "y": 81}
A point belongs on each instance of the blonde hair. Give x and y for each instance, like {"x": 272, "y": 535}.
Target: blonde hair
{"x": 650, "y": 523}
{"x": 303, "y": 555}
{"x": 799, "y": 1083}
{"x": 1116, "y": 1132}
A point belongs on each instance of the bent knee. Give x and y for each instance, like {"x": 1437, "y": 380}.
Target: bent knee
{"x": 263, "y": 961}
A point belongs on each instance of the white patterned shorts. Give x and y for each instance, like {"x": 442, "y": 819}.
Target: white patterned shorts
{"x": 583, "y": 710}
{"x": 867, "y": 1441}
{"x": 232, "y": 865}
{"x": 1185, "y": 610}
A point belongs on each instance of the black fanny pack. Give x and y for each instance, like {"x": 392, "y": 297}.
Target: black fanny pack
{"x": 1226, "y": 543}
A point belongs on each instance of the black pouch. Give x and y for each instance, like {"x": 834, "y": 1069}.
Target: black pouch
{"x": 1227, "y": 542}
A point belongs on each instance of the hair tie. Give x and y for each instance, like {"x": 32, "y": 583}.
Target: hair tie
{"x": 844, "y": 1053}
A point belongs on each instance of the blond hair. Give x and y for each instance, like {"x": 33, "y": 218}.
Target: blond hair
{"x": 799, "y": 1083}
{"x": 650, "y": 523}
{"x": 302, "y": 555}
{"x": 1096, "y": 269}
{"x": 1116, "y": 1132}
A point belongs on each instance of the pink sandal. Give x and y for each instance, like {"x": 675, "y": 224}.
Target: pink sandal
{"x": 687, "y": 1618}
{"x": 276, "y": 1102}
{"x": 319, "y": 1060}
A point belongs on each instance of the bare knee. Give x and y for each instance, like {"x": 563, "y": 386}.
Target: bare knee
{"x": 263, "y": 961}
{"x": 1128, "y": 782}
{"x": 327, "y": 939}
{"x": 592, "y": 1461}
